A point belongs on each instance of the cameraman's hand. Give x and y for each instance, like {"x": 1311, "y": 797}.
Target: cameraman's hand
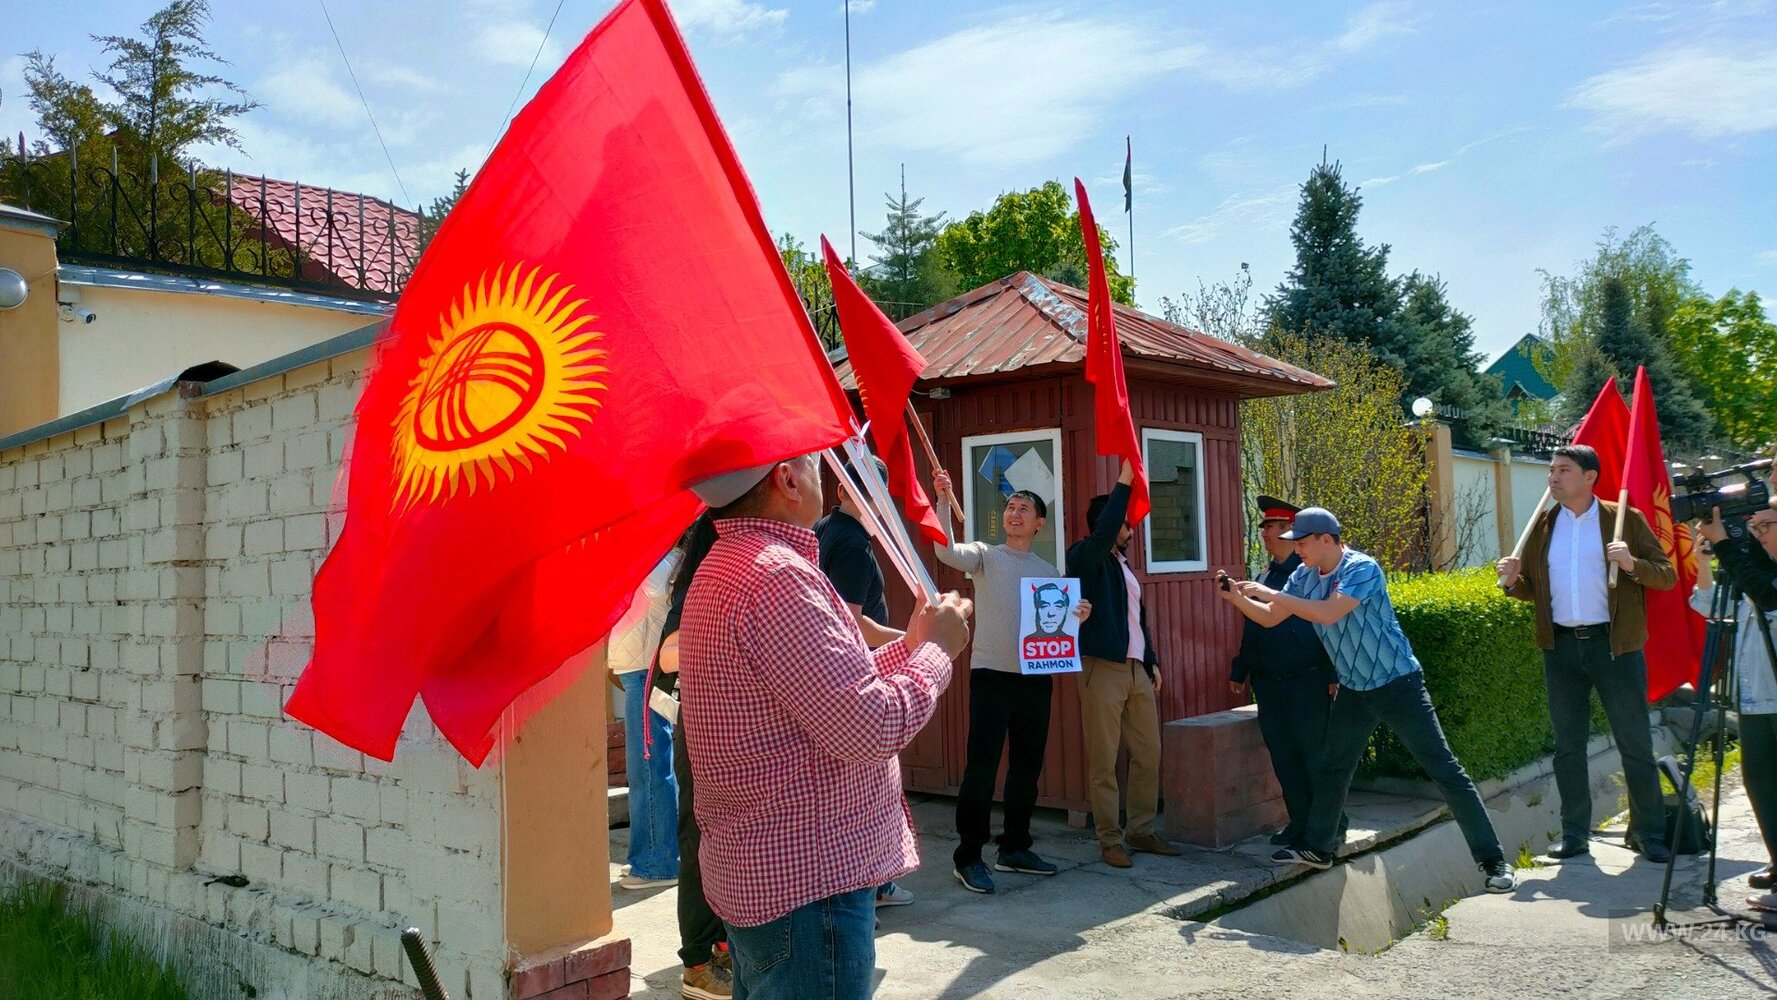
{"x": 946, "y": 624}
{"x": 1713, "y": 529}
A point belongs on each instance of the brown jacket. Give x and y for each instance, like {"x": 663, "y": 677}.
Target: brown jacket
{"x": 1628, "y": 601}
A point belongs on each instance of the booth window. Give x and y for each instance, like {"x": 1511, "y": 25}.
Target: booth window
{"x": 997, "y": 465}
{"x": 1176, "y": 537}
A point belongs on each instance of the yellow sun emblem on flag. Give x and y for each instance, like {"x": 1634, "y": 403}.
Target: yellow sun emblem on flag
{"x": 510, "y": 376}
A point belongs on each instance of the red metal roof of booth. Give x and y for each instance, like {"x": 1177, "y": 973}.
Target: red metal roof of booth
{"x": 1024, "y": 321}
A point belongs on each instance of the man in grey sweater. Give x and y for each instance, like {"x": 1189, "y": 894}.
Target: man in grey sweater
{"x": 1006, "y": 708}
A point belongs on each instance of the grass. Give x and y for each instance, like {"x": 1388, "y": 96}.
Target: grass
{"x": 48, "y": 953}
{"x": 1526, "y": 859}
{"x": 1703, "y": 778}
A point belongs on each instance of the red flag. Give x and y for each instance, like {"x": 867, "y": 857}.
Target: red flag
{"x": 1605, "y": 430}
{"x": 1674, "y": 631}
{"x": 1104, "y": 365}
{"x": 886, "y": 366}
{"x": 602, "y": 321}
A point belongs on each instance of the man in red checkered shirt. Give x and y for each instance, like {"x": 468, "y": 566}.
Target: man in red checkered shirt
{"x": 793, "y": 725}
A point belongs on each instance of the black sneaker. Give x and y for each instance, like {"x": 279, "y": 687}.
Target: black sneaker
{"x": 1283, "y": 838}
{"x": 974, "y": 877}
{"x": 1024, "y": 862}
{"x": 1303, "y": 856}
{"x": 1501, "y": 876}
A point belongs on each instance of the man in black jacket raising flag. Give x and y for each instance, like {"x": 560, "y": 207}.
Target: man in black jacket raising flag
{"x": 1119, "y": 680}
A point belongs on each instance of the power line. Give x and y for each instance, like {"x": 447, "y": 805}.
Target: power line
{"x": 527, "y": 75}
{"x": 366, "y": 101}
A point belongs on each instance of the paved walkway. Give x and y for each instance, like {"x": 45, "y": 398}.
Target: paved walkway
{"x": 1094, "y": 931}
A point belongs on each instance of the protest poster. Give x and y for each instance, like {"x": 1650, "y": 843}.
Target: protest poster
{"x": 1048, "y": 627}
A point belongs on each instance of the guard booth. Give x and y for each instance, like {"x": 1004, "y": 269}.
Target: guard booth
{"x": 1005, "y": 399}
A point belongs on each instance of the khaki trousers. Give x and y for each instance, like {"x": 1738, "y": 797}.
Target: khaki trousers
{"x": 1117, "y": 708}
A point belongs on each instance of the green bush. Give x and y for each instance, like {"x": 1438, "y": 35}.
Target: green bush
{"x": 1482, "y": 668}
{"x": 48, "y": 953}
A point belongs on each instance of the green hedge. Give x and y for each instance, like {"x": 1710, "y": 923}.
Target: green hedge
{"x": 1483, "y": 669}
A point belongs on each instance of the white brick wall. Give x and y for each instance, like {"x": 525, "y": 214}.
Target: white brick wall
{"x": 154, "y": 583}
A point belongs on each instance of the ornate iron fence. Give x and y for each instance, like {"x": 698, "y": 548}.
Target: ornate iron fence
{"x": 223, "y": 225}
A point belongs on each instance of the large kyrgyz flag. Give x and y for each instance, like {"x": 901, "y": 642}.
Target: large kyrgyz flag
{"x": 602, "y": 321}
{"x": 1104, "y": 365}
{"x": 1674, "y": 631}
{"x": 1606, "y": 430}
{"x": 886, "y": 367}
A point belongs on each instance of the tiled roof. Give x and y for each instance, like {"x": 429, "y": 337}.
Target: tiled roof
{"x": 354, "y": 239}
{"x": 1026, "y": 321}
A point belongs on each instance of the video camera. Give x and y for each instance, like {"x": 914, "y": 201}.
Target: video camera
{"x": 1695, "y": 495}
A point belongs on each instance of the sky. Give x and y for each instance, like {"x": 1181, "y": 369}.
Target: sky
{"x": 1490, "y": 141}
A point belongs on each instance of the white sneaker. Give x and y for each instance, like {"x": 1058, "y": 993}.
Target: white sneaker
{"x": 893, "y": 895}
{"x": 638, "y": 882}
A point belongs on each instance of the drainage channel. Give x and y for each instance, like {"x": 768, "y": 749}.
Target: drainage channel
{"x": 1367, "y": 903}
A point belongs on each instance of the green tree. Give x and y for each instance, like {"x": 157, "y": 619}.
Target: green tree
{"x": 1643, "y": 281}
{"x": 1588, "y": 371}
{"x": 1224, "y": 309}
{"x": 1036, "y": 230}
{"x": 907, "y": 276}
{"x": 432, "y": 217}
{"x": 1730, "y": 348}
{"x": 1339, "y": 286}
{"x": 1443, "y": 364}
{"x": 1345, "y": 448}
{"x": 1625, "y": 339}
{"x": 809, "y": 274}
{"x": 164, "y": 107}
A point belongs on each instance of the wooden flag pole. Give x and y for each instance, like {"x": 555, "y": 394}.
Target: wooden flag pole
{"x": 1524, "y": 536}
{"x": 1617, "y": 535}
{"x": 931, "y": 452}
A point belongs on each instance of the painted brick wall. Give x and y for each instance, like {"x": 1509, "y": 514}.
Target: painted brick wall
{"x": 154, "y": 575}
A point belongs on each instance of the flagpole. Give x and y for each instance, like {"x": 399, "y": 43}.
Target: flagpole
{"x": 931, "y": 452}
{"x": 851, "y": 183}
{"x": 864, "y": 464}
{"x": 1622, "y": 517}
{"x": 1524, "y": 536}
{"x": 1130, "y": 148}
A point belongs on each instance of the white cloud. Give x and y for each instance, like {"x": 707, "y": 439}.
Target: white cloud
{"x": 958, "y": 94}
{"x": 862, "y": 6}
{"x": 1376, "y": 182}
{"x": 302, "y": 88}
{"x": 732, "y": 19}
{"x": 1375, "y": 24}
{"x": 1768, "y": 258}
{"x": 514, "y": 43}
{"x": 1242, "y": 212}
{"x": 1426, "y": 168}
{"x": 404, "y": 77}
{"x": 1704, "y": 90}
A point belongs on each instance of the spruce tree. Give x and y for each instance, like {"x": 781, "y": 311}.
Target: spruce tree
{"x": 1339, "y": 287}
{"x": 906, "y": 277}
{"x": 1628, "y": 340}
{"x": 1443, "y": 364}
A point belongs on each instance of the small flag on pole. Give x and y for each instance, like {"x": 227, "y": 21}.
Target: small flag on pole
{"x": 1128, "y": 175}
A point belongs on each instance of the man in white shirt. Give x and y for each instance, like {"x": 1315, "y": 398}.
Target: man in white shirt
{"x": 1591, "y": 635}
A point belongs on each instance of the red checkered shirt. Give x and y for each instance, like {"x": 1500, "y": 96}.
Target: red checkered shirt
{"x": 792, "y": 724}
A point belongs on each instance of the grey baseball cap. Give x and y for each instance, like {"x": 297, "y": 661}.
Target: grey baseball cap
{"x": 720, "y": 491}
{"x": 1313, "y": 521}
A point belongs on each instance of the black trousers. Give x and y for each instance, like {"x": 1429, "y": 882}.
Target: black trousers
{"x": 1758, "y": 764}
{"x": 1573, "y": 670}
{"x": 1006, "y": 712}
{"x": 699, "y": 927}
{"x": 1293, "y": 721}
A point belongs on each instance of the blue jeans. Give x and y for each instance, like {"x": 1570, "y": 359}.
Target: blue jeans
{"x": 1406, "y": 707}
{"x": 824, "y": 950}
{"x": 653, "y": 794}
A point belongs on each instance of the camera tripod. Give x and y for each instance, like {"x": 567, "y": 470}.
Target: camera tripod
{"x": 1722, "y": 634}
